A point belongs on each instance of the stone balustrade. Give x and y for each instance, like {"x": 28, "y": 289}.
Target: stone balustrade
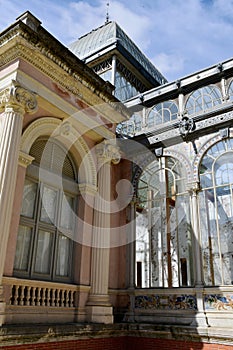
{"x": 21, "y": 292}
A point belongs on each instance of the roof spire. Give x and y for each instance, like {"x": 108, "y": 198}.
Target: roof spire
{"x": 107, "y": 12}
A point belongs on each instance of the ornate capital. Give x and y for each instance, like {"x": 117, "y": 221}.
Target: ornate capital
{"x": 108, "y": 151}
{"x": 18, "y": 98}
{"x": 193, "y": 187}
{"x": 25, "y": 159}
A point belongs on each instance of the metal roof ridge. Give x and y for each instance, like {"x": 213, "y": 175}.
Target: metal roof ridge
{"x": 94, "y": 30}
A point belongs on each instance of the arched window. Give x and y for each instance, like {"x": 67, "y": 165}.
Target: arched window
{"x": 161, "y": 113}
{"x": 216, "y": 213}
{"x": 163, "y": 234}
{"x": 203, "y": 99}
{"x": 44, "y": 241}
{"x": 230, "y": 91}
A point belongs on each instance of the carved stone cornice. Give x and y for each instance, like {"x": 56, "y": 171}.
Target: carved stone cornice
{"x": 63, "y": 68}
{"x": 108, "y": 152}
{"x": 18, "y": 98}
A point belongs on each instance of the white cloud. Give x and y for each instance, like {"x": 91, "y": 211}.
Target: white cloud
{"x": 169, "y": 63}
{"x": 180, "y": 37}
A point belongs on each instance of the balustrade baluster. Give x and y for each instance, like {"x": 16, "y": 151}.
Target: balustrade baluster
{"x": 33, "y": 296}
{"x": 48, "y": 297}
{"x": 16, "y": 295}
{"x": 38, "y": 299}
{"x": 43, "y": 296}
{"x": 53, "y": 297}
{"x": 21, "y": 295}
{"x": 63, "y": 298}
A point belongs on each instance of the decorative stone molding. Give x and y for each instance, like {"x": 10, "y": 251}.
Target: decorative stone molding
{"x": 40, "y": 127}
{"x": 25, "y": 159}
{"x": 69, "y": 76}
{"x": 18, "y": 98}
{"x": 108, "y": 151}
{"x": 53, "y": 127}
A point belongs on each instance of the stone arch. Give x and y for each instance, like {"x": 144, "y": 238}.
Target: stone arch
{"x": 66, "y": 133}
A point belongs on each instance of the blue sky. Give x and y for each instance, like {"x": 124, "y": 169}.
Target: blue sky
{"x": 179, "y": 36}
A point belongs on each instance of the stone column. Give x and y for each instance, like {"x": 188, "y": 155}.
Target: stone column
{"x": 99, "y": 308}
{"x": 15, "y": 101}
{"x": 200, "y": 318}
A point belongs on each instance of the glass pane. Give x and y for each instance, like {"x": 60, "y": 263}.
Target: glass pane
{"x": 23, "y": 248}
{"x": 62, "y": 268}
{"x": 29, "y": 198}
{"x": 48, "y": 207}
{"x": 43, "y": 252}
{"x": 206, "y": 180}
{"x": 166, "y": 115}
{"x": 67, "y": 212}
{"x": 224, "y": 169}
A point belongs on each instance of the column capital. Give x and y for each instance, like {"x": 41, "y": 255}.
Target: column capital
{"x": 108, "y": 151}
{"x": 193, "y": 187}
{"x": 18, "y": 98}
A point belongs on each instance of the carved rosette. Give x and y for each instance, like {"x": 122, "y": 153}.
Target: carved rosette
{"x": 108, "y": 152}
{"x": 18, "y": 98}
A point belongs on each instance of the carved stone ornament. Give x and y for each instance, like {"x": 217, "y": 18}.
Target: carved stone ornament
{"x": 109, "y": 152}
{"x": 186, "y": 126}
{"x": 17, "y": 97}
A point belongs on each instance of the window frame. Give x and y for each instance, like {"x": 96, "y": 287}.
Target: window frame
{"x": 66, "y": 186}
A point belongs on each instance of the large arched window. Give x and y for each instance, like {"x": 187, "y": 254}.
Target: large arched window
{"x": 216, "y": 213}
{"x": 161, "y": 113}
{"x": 44, "y": 241}
{"x": 163, "y": 230}
{"x": 203, "y": 99}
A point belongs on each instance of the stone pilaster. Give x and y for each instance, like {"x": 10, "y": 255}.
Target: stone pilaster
{"x": 99, "y": 308}
{"x": 15, "y": 101}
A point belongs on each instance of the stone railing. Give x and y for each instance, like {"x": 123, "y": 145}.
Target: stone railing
{"x": 21, "y": 292}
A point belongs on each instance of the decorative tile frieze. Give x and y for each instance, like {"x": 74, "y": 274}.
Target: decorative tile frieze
{"x": 219, "y": 302}
{"x": 166, "y": 302}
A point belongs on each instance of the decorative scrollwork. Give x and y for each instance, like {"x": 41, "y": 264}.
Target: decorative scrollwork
{"x": 108, "y": 151}
{"x": 18, "y": 97}
{"x": 186, "y": 126}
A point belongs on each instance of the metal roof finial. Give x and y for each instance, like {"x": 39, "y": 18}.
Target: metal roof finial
{"x": 107, "y": 12}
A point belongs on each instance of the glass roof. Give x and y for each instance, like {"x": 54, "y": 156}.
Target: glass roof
{"x": 110, "y": 33}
